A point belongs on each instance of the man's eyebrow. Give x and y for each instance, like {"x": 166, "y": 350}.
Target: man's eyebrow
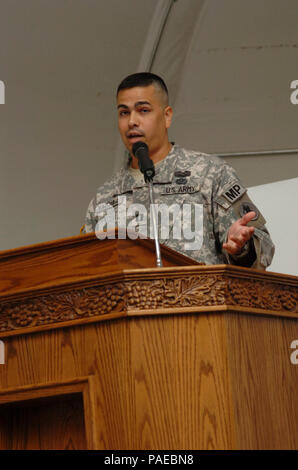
{"x": 138, "y": 103}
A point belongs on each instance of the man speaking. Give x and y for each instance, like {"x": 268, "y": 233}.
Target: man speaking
{"x": 209, "y": 205}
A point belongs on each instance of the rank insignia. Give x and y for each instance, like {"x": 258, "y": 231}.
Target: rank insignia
{"x": 181, "y": 180}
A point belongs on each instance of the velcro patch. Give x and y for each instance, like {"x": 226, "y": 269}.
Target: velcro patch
{"x": 245, "y": 205}
{"x": 234, "y": 192}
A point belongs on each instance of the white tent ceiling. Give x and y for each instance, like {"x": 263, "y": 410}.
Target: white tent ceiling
{"x": 228, "y": 65}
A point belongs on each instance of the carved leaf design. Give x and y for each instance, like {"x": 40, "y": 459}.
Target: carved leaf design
{"x": 192, "y": 291}
{"x": 262, "y": 295}
{"x": 59, "y": 307}
{"x": 165, "y": 292}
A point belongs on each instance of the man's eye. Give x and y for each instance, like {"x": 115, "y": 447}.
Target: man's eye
{"x": 144, "y": 110}
{"x": 123, "y": 113}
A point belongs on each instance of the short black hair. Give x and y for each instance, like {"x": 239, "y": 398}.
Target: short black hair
{"x": 142, "y": 79}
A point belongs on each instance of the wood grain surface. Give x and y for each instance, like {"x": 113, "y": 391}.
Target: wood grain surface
{"x": 266, "y": 382}
{"x": 174, "y": 358}
{"x": 172, "y": 382}
{"x": 55, "y": 424}
{"x": 76, "y": 259}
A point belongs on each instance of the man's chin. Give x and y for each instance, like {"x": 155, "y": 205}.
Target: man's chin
{"x": 129, "y": 143}
{"x": 133, "y": 140}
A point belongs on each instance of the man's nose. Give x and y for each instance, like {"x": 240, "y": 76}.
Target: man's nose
{"x": 133, "y": 119}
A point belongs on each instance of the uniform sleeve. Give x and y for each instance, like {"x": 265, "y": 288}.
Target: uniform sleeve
{"x": 90, "y": 219}
{"x": 103, "y": 195}
{"x": 230, "y": 203}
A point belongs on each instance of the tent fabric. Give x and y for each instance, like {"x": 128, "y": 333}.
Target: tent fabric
{"x": 220, "y": 61}
{"x": 228, "y": 66}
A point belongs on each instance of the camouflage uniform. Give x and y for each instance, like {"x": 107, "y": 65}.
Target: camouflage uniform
{"x": 197, "y": 179}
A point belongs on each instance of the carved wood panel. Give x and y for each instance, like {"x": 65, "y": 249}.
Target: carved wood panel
{"x": 160, "y": 292}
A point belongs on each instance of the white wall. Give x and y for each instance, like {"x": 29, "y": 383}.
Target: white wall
{"x": 228, "y": 65}
{"x": 278, "y": 202}
{"x": 61, "y": 62}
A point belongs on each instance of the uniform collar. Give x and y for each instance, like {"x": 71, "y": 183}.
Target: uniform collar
{"x": 164, "y": 172}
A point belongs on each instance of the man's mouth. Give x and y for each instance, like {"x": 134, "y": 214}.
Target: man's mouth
{"x": 134, "y": 135}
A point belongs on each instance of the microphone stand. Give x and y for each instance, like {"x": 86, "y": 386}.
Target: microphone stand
{"x": 141, "y": 152}
{"x": 154, "y": 222}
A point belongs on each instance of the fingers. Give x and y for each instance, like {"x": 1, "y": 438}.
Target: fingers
{"x": 247, "y": 217}
{"x": 237, "y": 240}
{"x": 243, "y": 235}
{"x": 239, "y": 234}
{"x": 231, "y": 247}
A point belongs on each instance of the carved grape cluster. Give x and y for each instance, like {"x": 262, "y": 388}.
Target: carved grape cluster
{"x": 62, "y": 307}
{"x": 22, "y": 315}
{"x": 289, "y": 301}
{"x": 242, "y": 293}
{"x": 84, "y": 303}
{"x": 144, "y": 295}
{"x": 259, "y": 295}
{"x": 167, "y": 293}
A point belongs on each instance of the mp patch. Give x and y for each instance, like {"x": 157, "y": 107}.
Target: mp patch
{"x": 234, "y": 192}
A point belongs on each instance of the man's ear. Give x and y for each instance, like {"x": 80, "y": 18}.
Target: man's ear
{"x": 168, "y": 113}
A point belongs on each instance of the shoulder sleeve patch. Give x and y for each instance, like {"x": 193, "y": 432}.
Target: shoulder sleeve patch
{"x": 230, "y": 194}
{"x": 245, "y": 205}
{"x": 233, "y": 192}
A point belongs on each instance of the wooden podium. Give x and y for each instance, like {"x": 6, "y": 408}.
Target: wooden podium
{"x": 102, "y": 350}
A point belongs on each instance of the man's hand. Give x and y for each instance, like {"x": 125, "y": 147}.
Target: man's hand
{"x": 239, "y": 234}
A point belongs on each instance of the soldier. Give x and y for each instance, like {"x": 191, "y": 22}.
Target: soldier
{"x": 224, "y": 224}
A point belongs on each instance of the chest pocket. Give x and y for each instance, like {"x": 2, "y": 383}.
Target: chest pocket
{"x": 180, "y": 214}
{"x": 174, "y": 193}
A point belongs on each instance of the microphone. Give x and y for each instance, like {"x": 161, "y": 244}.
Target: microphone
{"x": 141, "y": 152}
